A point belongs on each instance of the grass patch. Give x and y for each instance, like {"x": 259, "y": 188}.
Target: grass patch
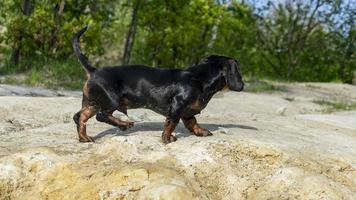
{"x": 263, "y": 86}
{"x": 335, "y": 106}
{"x": 49, "y": 73}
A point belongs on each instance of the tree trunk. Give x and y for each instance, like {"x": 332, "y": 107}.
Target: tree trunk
{"x": 346, "y": 71}
{"x": 15, "y": 54}
{"x": 131, "y": 33}
{"x": 58, "y": 11}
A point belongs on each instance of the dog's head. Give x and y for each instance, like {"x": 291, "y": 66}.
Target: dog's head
{"x": 230, "y": 70}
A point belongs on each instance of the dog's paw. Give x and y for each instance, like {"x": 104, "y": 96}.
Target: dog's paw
{"x": 168, "y": 139}
{"x": 126, "y": 126}
{"x": 86, "y": 139}
{"x": 203, "y": 133}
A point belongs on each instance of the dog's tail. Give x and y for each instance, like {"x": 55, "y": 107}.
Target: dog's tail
{"x": 82, "y": 58}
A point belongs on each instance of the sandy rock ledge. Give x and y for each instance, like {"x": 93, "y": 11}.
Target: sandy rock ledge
{"x": 263, "y": 147}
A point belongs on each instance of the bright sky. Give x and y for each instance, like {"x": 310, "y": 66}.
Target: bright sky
{"x": 338, "y": 18}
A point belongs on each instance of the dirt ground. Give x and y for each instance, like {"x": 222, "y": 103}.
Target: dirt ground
{"x": 287, "y": 144}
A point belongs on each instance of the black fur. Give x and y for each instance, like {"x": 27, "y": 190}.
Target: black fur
{"x": 173, "y": 93}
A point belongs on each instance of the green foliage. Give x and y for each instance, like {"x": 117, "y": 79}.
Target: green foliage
{"x": 186, "y": 31}
{"x": 331, "y": 106}
{"x": 286, "y": 41}
{"x": 263, "y": 86}
{"x": 236, "y": 37}
{"x": 56, "y": 73}
{"x": 48, "y": 28}
{"x": 179, "y": 35}
{"x": 297, "y": 45}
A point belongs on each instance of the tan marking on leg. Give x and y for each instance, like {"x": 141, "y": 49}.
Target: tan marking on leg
{"x": 167, "y": 136}
{"x": 123, "y": 125}
{"x": 86, "y": 89}
{"x": 85, "y": 114}
{"x": 192, "y": 125}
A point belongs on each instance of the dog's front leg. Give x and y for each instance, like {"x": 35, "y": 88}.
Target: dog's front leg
{"x": 172, "y": 120}
{"x": 169, "y": 127}
{"x": 192, "y": 125}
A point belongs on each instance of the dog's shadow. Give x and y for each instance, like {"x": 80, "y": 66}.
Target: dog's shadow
{"x": 158, "y": 126}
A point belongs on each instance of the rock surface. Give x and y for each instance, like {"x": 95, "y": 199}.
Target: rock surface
{"x": 12, "y": 90}
{"x": 265, "y": 146}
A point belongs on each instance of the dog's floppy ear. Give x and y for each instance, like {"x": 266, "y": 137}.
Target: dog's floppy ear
{"x": 232, "y": 75}
{"x": 228, "y": 71}
{"x": 228, "y": 66}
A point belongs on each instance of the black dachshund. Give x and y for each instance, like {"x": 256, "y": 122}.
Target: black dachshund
{"x": 176, "y": 94}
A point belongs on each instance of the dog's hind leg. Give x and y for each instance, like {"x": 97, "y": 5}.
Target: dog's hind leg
{"x": 81, "y": 118}
{"x": 192, "y": 125}
{"x": 107, "y": 117}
